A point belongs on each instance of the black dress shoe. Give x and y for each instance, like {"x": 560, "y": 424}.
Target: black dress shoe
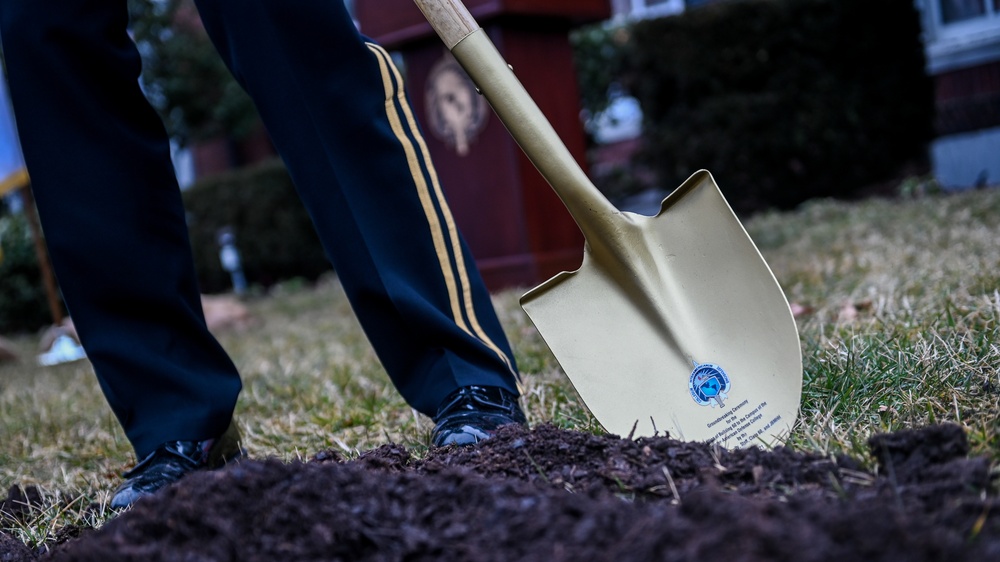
{"x": 473, "y": 413}
{"x": 172, "y": 461}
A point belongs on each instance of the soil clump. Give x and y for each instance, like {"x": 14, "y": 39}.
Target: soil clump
{"x": 552, "y": 494}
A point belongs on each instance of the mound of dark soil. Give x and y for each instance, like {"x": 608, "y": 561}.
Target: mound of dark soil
{"x": 549, "y": 494}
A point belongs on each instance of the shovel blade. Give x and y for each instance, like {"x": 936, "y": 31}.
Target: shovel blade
{"x": 688, "y": 334}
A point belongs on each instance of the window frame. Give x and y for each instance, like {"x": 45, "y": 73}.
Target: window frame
{"x": 640, "y": 8}
{"x": 960, "y": 42}
{"x": 989, "y": 20}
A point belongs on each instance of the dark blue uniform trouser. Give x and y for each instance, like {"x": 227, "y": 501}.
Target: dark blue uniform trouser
{"x": 111, "y": 210}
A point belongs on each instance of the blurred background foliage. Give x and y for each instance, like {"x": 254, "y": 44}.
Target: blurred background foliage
{"x": 273, "y": 232}
{"x": 184, "y": 77}
{"x": 23, "y": 302}
{"x": 598, "y": 52}
{"x": 783, "y": 100}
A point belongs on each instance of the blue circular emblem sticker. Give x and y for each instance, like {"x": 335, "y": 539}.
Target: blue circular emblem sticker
{"x": 709, "y": 385}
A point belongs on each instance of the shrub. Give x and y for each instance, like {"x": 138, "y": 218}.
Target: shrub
{"x": 597, "y": 58}
{"x": 274, "y": 234}
{"x": 184, "y": 76}
{"x": 23, "y": 301}
{"x": 783, "y": 100}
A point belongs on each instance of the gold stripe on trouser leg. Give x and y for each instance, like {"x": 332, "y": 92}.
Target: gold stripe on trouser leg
{"x": 437, "y": 234}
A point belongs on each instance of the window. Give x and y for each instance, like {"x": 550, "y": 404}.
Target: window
{"x": 653, "y": 8}
{"x": 953, "y": 11}
{"x": 960, "y": 32}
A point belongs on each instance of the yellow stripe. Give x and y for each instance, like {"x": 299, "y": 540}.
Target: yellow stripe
{"x": 14, "y": 180}
{"x": 422, "y": 190}
{"x": 439, "y": 196}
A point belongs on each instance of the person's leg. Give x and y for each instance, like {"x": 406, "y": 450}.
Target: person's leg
{"x": 99, "y": 162}
{"x": 335, "y": 109}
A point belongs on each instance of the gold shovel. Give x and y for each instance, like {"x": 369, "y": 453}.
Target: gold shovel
{"x": 673, "y": 323}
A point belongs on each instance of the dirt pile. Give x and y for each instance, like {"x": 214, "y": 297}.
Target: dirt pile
{"x": 550, "y": 494}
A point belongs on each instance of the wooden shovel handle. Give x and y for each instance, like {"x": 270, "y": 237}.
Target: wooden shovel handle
{"x": 449, "y": 18}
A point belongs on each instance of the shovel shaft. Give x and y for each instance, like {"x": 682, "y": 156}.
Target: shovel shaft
{"x": 470, "y": 45}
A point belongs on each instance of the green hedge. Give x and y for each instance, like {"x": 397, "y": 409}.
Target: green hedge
{"x": 274, "y": 234}
{"x": 23, "y": 303}
{"x": 782, "y": 100}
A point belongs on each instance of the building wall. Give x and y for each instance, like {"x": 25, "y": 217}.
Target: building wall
{"x": 968, "y": 99}
{"x": 962, "y": 44}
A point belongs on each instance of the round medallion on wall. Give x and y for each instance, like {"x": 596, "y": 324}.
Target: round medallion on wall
{"x": 456, "y": 112}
